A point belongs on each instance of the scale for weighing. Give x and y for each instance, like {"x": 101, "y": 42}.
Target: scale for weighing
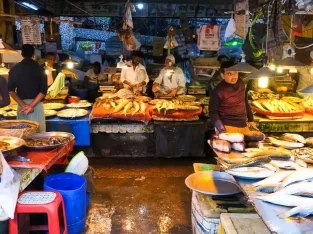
{"x": 107, "y": 89}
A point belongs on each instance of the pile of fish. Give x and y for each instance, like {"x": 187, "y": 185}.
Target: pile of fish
{"x": 291, "y": 189}
{"x": 126, "y": 106}
{"x": 274, "y": 105}
{"x": 168, "y": 106}
{"x": 236, "y": 141}
{"x": 300, "y": 147}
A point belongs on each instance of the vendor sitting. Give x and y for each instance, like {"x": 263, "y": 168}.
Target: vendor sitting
{"x": 135, "y": 77}
{"x": 229, "y": 108}
{"x": 93, "y": 78}
{"x": 171, "y": 81}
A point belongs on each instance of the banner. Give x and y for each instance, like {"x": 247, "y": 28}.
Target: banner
{"x": 31, "y": 32}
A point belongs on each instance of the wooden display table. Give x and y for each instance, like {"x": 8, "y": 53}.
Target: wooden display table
{"x": 241, "y": 224}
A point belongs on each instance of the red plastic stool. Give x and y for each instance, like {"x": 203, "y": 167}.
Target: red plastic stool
{"x": 49, "y": 202}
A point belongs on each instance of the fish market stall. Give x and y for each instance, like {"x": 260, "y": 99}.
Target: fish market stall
{"x": 274, "y": 178}
{"x": 37, "y": 152}
{"x": 148, "y": 127}
{"x": 72, "y": 118}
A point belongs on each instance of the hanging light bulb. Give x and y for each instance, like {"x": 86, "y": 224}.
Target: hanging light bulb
{"x": 70, "y": 63}
{"x": 263, "y": 82}
{"x": 311, "y": 70}
{"x": 272, "y": 67}
{"x": 280, "y": 69}
{"x": 293, "y": 70}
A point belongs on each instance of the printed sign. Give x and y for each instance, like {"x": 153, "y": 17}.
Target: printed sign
{"x": 31, "y": 32}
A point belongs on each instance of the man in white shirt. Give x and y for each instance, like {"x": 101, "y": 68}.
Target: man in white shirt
{"x": 135, "y": 77}
{"x": 171, "y": 81}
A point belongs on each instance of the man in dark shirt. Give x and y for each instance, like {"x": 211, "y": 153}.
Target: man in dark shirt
{"x": 28, "y": 86}
{"x": 229, "y": 108}
{"x": 4, "y": 93}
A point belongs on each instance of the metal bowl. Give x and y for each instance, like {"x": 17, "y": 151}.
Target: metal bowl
{"x": 49, "y": 134}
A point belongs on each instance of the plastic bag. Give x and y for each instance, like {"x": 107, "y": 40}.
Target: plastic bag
{"x": 9, "y": 188}
{"x": 230, "y": 29}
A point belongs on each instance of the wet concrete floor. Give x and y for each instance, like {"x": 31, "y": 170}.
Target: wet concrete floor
{"x": 141, "y": 196}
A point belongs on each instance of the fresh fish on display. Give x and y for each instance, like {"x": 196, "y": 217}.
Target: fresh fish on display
{"x": 269, "y": 188}
{"x": 309, "y": 141}
{"x": 136, "y": 106}
{"x": 301, "y": 187}
{"x": 303, "y": 153}
{"x": 254, "y": 136}
{"x": 240, "y": 146}
{"x": 231, "y": 137}
{"x": 286, "y": 200}
{"x": 288, "y": 165}
{"x": 293, "y": 138}
{"x": 273, "y": 179}
{"x": 300, "y": 211}
{"x": 142, "y": 107}
{"x": 285, "y": 144}
{"x": 254, "y": 144}
{"x": 298, "y": 176}
{"x": 279, "y": 154}
{"x": 221, "y": 145}
{"x": 248, "y": 163}
{"x": 128, "y": 107}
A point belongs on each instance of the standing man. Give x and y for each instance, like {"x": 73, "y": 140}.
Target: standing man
{"x": 229, "y": 108}
{"x": 28, "y": 87}
{"x": 171, "y": 81}
{"x": 4, "y": 93}
{"x": 135, "y": 77}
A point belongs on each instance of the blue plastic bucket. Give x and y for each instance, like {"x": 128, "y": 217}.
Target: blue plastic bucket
{"x": 73, "y": 190}
{"x": 76, "y": 228}
{"x": 82, "y": 93}
{"x": 87, "y": 200}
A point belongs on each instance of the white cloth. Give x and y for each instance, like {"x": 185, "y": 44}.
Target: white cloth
{"x": 136, "y": 76}
{"x": 171, "y": 82}
{"x": 93, "y": 77}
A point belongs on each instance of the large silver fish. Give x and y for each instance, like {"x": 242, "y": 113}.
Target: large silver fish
{"x": 300, "y": 211}
{"x": 286, "y": 200}
{"x": 300, "y": 175}
{"x": 301, "y": 187}
{"x": 273, "y": 179}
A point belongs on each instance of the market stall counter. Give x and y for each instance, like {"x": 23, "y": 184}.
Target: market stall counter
{"x": 72, "y": 118}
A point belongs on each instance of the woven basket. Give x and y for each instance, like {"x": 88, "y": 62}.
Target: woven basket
{"x": 20, "y": 133}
